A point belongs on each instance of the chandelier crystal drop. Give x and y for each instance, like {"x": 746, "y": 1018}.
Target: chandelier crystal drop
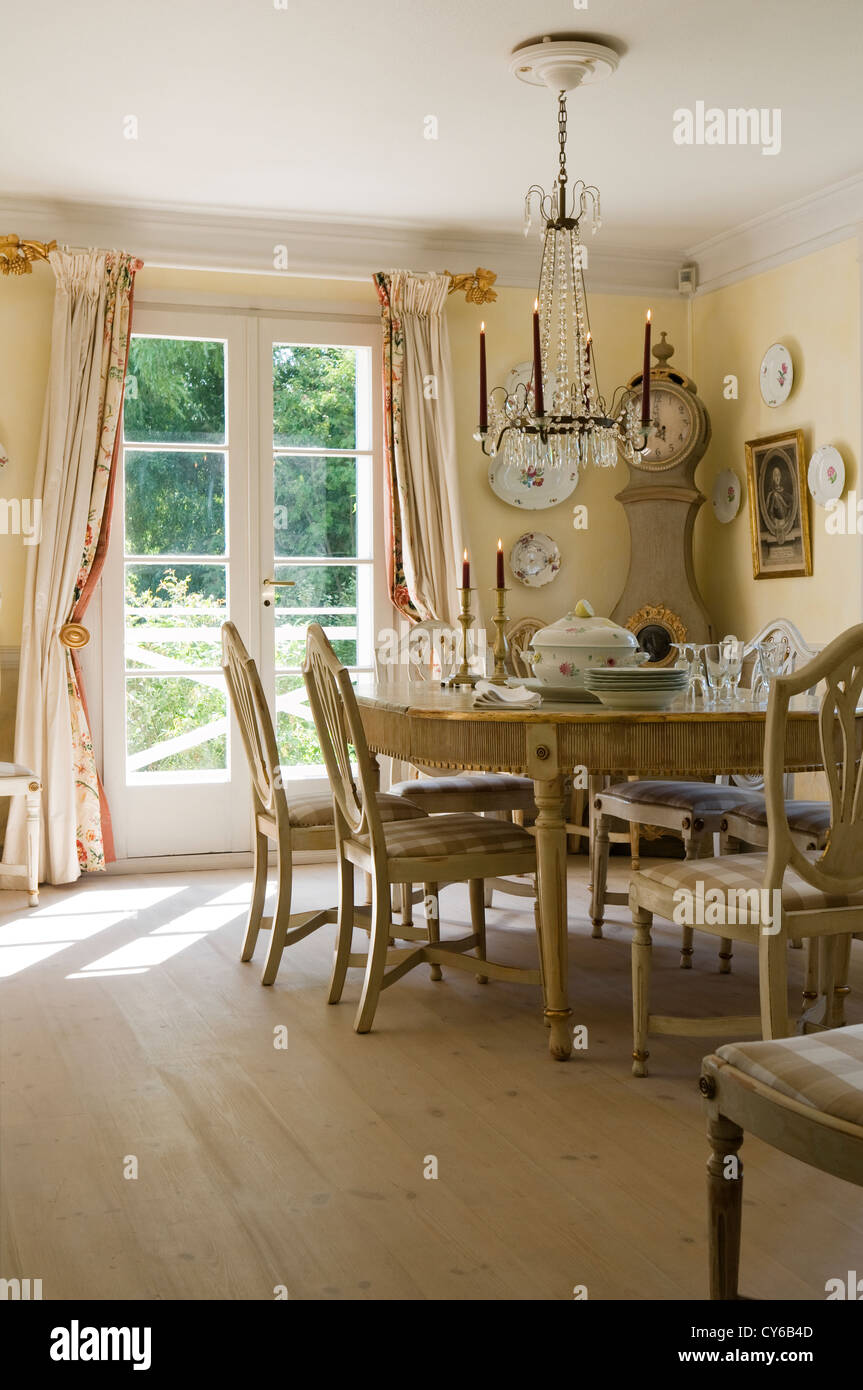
{"x": 567, "y": 424}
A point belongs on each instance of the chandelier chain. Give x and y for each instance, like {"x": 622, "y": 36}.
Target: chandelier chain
{"x": 561, "y": 135}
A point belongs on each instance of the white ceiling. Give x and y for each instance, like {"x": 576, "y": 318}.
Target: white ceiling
{"x": 317, "y": 110}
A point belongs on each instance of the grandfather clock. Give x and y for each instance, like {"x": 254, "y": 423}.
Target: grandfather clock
{"x": 660, "y": 602}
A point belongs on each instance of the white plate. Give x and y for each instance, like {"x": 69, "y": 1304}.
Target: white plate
{"x": 648, "y": 699}
{"x": 726, "y": 495}
{"x": 534, "y": 559}
{"x": 532, "y": 492}
{"x": 570, "y": 694}
{"x": 826, "y": 475}
{"x": 777, "y": 375}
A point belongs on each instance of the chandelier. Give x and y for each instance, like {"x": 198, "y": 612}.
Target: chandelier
{"x": 559, "y": 418}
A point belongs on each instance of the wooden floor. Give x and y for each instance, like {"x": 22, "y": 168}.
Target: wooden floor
{"x": 130, "y": 1031}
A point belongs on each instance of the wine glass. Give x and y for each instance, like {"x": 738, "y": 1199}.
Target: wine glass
{"x": 715, "y": 655}
{"x": 735, "y": 651}
{"x": 773, "y": 654}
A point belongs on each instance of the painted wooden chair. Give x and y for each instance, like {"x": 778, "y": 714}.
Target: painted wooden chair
{"x": 16, "y": 780}
{"x": 802, "y": 1096}
{"x": 765, "y": 899}
{"x": 450, "y": 848}
{"x": 306, "y": 823}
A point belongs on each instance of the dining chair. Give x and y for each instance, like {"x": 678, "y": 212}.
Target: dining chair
{"x": 764, "y": 899}
{"x": 696, "y": 811}
{"x": 800, "y": 1095}
{"x": 307, "y": 822}
{"x": 450, "y": 847}
{"x": 17, "y": 780}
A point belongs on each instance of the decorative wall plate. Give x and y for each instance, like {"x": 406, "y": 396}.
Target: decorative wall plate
{"x": 534, "y": 559}
{"x": 727, "y": 492}
{"x": 534, "y": 489}
{"x": 777, "y": 375}
{"x": 826, "y": 477}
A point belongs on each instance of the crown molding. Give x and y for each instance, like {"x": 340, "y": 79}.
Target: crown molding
{"x": 797, "y": 229}
{"x": 209, "y": 239}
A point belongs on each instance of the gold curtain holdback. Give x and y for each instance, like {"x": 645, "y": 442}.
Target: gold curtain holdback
{"x": 74, "y": 635}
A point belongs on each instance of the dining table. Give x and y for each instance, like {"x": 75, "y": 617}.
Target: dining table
{"x": 428, "y": 725}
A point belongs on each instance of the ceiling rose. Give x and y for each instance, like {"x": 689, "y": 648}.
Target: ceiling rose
{"x": 563, "y": 64}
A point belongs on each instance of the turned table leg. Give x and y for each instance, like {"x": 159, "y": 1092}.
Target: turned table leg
{"x": 549, "y": 792}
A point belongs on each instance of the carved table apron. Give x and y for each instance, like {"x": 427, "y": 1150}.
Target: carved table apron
{"x": 421, "y": 723}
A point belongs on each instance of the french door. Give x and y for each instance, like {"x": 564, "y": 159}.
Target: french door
{"x": 248, "y": 488}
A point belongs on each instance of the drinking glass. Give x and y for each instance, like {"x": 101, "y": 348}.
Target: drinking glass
{"x": 735, "y": 650}
{"x": 773, "y": 655}
{"x": 715, "y": 655}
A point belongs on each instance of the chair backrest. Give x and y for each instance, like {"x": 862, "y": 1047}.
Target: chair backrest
{"x": 256, "y": 727}
{"x": 519, "y": 635}
{"x": 799, "y": 650}
{"x": 839, "y": 869}
{"x": 427, "y": 653}
{"x": 340, "y": 730}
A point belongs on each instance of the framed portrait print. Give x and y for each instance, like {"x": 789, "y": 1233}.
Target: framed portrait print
{"x": 778, "y": 512}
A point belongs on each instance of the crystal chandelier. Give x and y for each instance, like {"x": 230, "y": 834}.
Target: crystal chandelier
{"x": 559, "y": 419}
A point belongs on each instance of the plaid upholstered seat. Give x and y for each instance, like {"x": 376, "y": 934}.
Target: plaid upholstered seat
{"x": 807, "y": 817}
{"x": 485, "y": 791}
{"x": 435, "y": 836}
{"x": 310, "y": 811}
{"x": 821, "y": 1070}
{"x": 698, "y": 798}
{"x": 741, "y": 873}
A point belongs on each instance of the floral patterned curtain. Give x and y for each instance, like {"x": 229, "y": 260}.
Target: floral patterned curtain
{"x": 423, "y": 512}
{"x": 75, "y": 478}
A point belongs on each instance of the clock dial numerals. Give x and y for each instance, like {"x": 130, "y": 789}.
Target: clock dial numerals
{"x": 674, "y": 425}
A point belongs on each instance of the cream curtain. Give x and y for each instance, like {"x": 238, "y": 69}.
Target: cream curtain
{"x": 425, "y": 515}
{"x": 74, "y": 479}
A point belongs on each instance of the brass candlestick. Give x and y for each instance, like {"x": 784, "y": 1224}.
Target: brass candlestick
{"x": 463, "y": 675}
{"x": 501, "y": 646}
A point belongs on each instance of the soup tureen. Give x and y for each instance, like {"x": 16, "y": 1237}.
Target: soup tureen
{"x": 562, "y": 652}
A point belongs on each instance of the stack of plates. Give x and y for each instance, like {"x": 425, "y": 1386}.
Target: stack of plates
{"x": 636, "y": 687}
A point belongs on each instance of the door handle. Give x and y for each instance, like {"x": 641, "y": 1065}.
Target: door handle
{"x": 277, "y": 584}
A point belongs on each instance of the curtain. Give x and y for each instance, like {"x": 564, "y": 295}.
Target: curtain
{"x": 423, "y": 513}
{"x": 75, "y": 480}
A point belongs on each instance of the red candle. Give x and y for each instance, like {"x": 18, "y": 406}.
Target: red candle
{"x": 645, "y": 375}
{"x": 538, "y": 399}
{"x": 500, "y": 579}
{"x": 483, "y": 387}
{"x": 465, "y": 571}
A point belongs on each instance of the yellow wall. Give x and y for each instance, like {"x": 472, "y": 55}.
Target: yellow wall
{"x": 26, "y": 302}
{"x": 812, "y": 306}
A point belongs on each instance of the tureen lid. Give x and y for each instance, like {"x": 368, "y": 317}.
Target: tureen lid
{"x": 581, "y": 628}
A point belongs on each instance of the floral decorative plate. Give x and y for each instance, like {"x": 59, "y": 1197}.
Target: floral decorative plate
{"x": 532, "y": 489}
{"x": 534, "y": 559}
{"x": 726, "y": 495}
{"x": 826, "y": 475}
{"x": 777, "y": 375}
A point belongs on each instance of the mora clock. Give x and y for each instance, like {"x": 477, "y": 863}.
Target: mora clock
{"x": 660, "y": 602}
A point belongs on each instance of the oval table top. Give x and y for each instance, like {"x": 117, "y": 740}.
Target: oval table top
{"x": 427, "y": 723}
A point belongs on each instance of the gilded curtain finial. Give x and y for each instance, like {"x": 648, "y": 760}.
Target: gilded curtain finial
{"x": 476, "y": 285}
{"x": 17, "y": 256}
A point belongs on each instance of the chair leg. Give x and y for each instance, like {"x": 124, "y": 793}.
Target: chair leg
{"x": 376, "y": 961}
{"x": 634, "y": 846}
{"x": 724, "y": 1205}
{"x": 34, "y": 817}
{"x": 432, "y": 902}
{"x": 407, "y": 912}
{"x": 642, "y": 949}
{"x": 476, "y": 889}
{"x": 841, "y": 989}
{"x": 773, "y": 984}
{"x": 281, "y": 916}
{"x": 600, "y": 874}
{"x": 726, "y": 952}
{"x": 259, "y": 894}
{"x": 488, "y": 895}
{"x": 811, "y": 980}
{"x": 344, "y": 930}
{"x": 692, "y": 843}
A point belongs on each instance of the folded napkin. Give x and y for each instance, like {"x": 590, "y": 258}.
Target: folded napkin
{"x": 488, "y": 696}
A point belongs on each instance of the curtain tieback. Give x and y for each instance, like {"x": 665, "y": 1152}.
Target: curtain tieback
{"x": 74, "y": 635}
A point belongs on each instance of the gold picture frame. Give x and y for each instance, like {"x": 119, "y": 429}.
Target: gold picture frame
{"x": 778, "y": 506}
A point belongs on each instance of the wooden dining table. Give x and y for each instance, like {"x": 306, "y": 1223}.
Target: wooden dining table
{"x": 432, "y": 726}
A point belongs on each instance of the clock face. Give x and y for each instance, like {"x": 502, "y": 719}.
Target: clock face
{"x": 674, "y": 426}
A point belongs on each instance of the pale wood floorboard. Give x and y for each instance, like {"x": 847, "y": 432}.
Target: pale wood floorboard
{"x": 304, "y": 1167}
